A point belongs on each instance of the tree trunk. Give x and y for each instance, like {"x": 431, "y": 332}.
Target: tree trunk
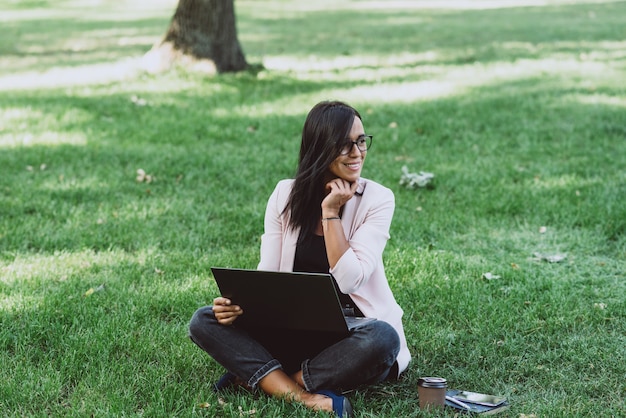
{"x": 202, "y": 35}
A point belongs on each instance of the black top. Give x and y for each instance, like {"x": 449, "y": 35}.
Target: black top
{"x": 311, "y": 258}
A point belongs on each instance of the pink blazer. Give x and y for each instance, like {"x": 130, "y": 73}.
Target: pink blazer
{"x": 360, "y": 271}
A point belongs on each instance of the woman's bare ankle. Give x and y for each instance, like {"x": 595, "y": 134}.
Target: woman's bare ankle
{"x": 297, "y": 377}
{"x": 280, "y": 385}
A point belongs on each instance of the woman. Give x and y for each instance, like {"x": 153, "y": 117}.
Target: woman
{"x": 327, "y": 219}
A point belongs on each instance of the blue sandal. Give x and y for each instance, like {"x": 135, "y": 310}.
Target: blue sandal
{"x": 341, "y": 405}
{"x": 229, "y": 381}
{"x": 226, "y": 381}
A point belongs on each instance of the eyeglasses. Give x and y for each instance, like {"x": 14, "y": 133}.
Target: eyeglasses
{"x": 363, "y": 143}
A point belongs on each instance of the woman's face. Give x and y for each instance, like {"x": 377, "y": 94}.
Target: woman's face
{"x": 348, "y": 167}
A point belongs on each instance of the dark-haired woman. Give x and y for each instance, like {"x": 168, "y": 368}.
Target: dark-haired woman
{"x": 327, "y": 219}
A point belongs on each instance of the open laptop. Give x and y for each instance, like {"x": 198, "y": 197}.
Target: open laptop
{"x": 285, "y": 300}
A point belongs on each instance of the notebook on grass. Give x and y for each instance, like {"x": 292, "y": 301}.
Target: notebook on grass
{"x": 475, "y": 403}
{"x": 285, "y": 300}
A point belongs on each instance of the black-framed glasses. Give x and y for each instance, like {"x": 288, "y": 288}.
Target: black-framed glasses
{"x": 363, "y": 143}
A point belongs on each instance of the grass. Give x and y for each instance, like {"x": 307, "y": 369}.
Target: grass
{"x": 519, "y": 111}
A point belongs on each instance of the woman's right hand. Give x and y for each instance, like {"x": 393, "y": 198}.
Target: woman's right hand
{"x": 224, "y": 312}
{"x": 339, "y": 192}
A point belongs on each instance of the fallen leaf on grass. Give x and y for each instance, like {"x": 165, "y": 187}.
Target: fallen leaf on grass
{"x": 550, "y": 258}
{"x": 490, "y": 276}
{"x": 91, "y": 290}
{"x": 415, "y": 180}
{"x": 403, "y": 158}
{"x": 223, "y": 403}
{"x": 242, "y": 412}
{"x": 143, "y": 177}
{"x": 138, "y": 100}
{"x": 204, "y": 405}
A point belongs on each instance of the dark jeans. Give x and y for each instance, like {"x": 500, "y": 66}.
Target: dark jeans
{"x": 366, "y": 356}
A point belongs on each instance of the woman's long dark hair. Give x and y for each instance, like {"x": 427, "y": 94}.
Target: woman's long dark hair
{"x": 325, "y": 130}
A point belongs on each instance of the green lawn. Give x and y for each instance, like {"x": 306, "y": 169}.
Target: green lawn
{"x": 519, "y": 111}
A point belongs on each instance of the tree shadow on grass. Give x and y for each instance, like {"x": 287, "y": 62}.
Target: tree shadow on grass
{"x": 455, "y": 36}
{"x": 216, "y": 157}
{"x": 31, "y": 46}
{"x": 447, "y": 36}
{"x": 88, "y": 196}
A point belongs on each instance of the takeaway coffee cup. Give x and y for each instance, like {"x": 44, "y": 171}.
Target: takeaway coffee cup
{"x": 431, "y": 392}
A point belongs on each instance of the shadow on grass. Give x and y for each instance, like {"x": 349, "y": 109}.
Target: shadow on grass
{"x": 204, "y": 163}
{"x": 29, "y": 45}
{"x": 509, "y": 155}
{"x": 457, "y": 36}
{"x": 452, "y": 36}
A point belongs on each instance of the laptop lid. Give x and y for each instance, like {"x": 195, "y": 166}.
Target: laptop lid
{"x": 283, "y": 300}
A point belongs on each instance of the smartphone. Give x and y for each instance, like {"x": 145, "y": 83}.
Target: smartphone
{"x": 479, "y": 398}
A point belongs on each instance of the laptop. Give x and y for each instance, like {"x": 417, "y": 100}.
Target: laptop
{"x": 285, "y": 301}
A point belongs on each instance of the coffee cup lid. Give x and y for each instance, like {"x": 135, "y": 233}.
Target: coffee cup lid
{"x": 432, "y": 382}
